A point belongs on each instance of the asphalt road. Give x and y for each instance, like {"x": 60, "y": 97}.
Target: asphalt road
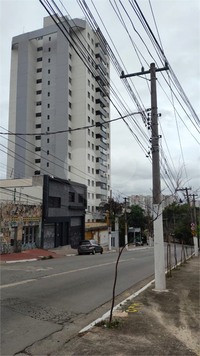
{"x": 38, "y": 298}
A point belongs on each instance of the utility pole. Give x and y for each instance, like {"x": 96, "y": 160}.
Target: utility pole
{"x": 195, "y": 239}
{"x": 192, "y": 218}
{"x": 159, "y": 258}
{"x": 110, "y": 225}
{"x": 125, "y": 216}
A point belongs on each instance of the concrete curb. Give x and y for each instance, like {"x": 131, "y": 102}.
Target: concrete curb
{"x": 28, "y": 260}
{"x": 106, "y": 315}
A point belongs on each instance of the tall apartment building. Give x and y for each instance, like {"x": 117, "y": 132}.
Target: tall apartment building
{"x": 52, "y": 90}
{"x": 146, "y": 202}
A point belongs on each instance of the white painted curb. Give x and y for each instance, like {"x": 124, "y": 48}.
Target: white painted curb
{"x": 104, "y": 316}
{"x": 29, "y": 260}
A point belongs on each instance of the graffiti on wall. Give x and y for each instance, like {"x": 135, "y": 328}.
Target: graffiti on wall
{"x": 49, "y": 236}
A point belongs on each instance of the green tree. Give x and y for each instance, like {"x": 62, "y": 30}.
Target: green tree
{"x": 177, "y": 220}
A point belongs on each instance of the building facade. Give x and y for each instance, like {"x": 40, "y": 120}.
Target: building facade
{"x": 146, "y": 202}
{"x": 41, "y": 212}
{"x": 52, "y": 90}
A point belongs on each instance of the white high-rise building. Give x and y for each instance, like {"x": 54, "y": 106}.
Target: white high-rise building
{"x": 52, "y": 90}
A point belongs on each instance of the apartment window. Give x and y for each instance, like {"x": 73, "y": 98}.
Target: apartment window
{"x": 39, "y": 70}
{"x": 47, "y": 152}
{"x": 38, "y": 137}
{"x": 48, "y": 117}
{"x": 49, "y": 39}
{"x": 92, "y": 110}
{"x": 70, "y": 105}
{"x": 69, "y": 142}
{"x": 89, "y": 144}
{"x": 40, "y": 38}
{"x": 37, "y": 173}
{"x": 49, "y": 49}
{"x": 49, "y": 71}
{"x": 38, "y": 114}
{"x": 39, "y": 59}
{"x": 38, "y": 92}
{"x": 92, "y": 86}
{"x": 39, "y": 49}
{"x": 49, "y": 82}
{"x": 70, "y": 118}
{"x": 38, "y": 103}
{"x": 88, "y": 156}
{"x": 92, "y": 98}
{"x": 92, "y": 40}
{"x": 49, "y": 60}
{"x": 70, "y": 92}
{"x": 92, "y": 170}
{"x": 93, "y": 146}
{"x": 47, "y": 140}
{"x": 38, "y": 126}
{"x": 48, "y": 93}
{"x": 88, "y": 35}
{"x": 92, "y": 134}
{"x": 88, "y": 119}
{"x": 92, "y": 122}
{"x": 88, "y": 131}
{"x": 88, "y": 169}
{"x": 92, "y": 158}
{"x": 88, "y": 47}
{"x": 47, "y": 164}
{"x": 70, "y": 68}
{"x": 48, "y": 105}
{"x": 69, "y": 155}
{"x": 38, "y": 81}
{"x": 88, "y": 82}
{"x": 37, "y": 149}
{"x": 88, "y": 106}
{"x": 69, "y": 168}
{"x": 88, "y": 182}
{"x": 88, "y": 94}
{"x": 54, "y": 202}
{"x": 37, "y": 160}
{"x": 92, "y": 183}
{"x": 71, "y": 197}
{"x": 70, "y": 56}
{"x": 70, "y": 80}
{"x": 88, "y": 195}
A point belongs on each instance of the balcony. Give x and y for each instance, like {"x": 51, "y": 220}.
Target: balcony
{"x": 100, "y": 110}
{"x": 100, "y": 99}
{"x": 100, "y": 143}
{"x": 101, "y": 132}
{"x": 102, "y": 78}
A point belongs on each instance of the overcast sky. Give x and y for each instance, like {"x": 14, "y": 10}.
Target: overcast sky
{"x": 178, "y": 22}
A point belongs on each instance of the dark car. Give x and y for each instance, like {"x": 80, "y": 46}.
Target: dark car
{"x": 89, "y": 246}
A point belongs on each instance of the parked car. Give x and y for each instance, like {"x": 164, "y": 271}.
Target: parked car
{"x": 89, "y": 246}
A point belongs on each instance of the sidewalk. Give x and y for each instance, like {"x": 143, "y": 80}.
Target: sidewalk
{"x": 29, "y": 255}
{"x": 37, "y": 254}
{"x": 153, "y": 323}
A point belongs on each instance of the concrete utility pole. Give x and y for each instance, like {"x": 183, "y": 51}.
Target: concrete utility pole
{"x": 195, "y": 239}
{"x": 110, "y": 224}
{"x": 159, "y": 259}
{"x": 125, "y": 216}
{"x": 192, "y": 218}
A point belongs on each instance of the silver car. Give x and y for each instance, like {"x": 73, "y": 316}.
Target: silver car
{"x": 89, "y": 246}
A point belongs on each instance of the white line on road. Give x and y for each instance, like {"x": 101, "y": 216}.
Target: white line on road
{"x": 61, "y": 273}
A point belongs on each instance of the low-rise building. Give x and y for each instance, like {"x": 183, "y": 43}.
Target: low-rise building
{"x": 42, "y": 211}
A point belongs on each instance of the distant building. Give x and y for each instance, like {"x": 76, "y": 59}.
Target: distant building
{"x": 42, "y": 211}
{"x": 51, "y": 89}
{"x": 146, "y": 202}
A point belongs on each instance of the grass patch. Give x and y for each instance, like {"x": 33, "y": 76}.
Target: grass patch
{"x": 106, "y": 324}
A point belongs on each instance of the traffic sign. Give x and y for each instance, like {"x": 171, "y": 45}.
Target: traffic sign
{"x": 192, "y": 228}
{"x": 193, "y": 232}
{"x": 192, "y": 224}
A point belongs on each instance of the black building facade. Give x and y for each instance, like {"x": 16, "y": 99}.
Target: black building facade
{"x": 63, "y": 220}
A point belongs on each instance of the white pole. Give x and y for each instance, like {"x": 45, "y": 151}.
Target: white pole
{"x": 159, "y": 258}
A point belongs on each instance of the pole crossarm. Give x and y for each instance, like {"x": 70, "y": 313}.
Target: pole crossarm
{"x": 143, "y": 72}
